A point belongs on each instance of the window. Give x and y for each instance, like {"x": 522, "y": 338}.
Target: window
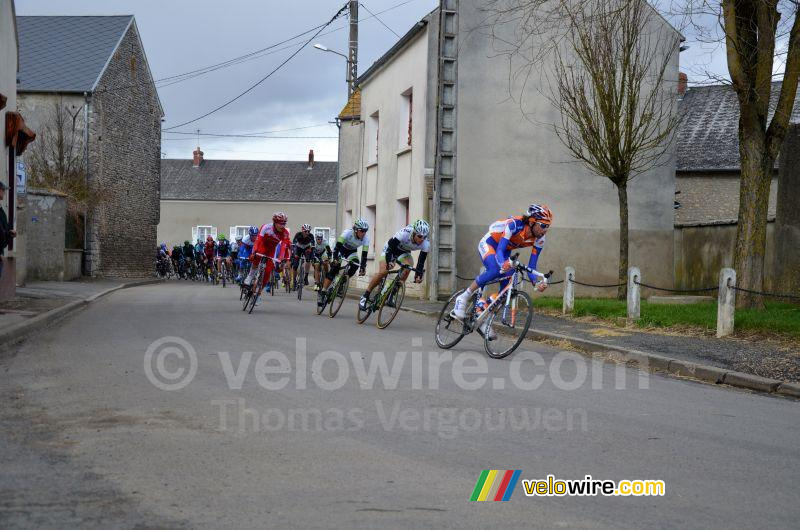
{"x": 406, "y": 126}
{"x": 373, "y": 135}
{"x": 238, "y": 231}
{"x": 203, "y": 231}
{"x": 348, "y": 220}
{"x": 370, "y": 217}
{"x": 402, "y": 212}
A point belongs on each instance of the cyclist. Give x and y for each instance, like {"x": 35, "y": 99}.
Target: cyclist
{"x": 346, "y": 246}
{"x": 398, "y": 250}
{"x": 223, "y": 252}
{"x": 245, "y": 250}
{"x": 209, "y": 251}
{"x": 495, "y": 247}
{"x": 320, "y": 256}
{"x": 269, "y": 237}
{"x": 198, "y": 254}
{"x": 177, "y": 258}
{"x": 302, "y": 244}
{"x": 188, "y": 257}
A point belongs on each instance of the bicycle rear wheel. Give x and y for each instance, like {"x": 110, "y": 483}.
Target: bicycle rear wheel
{"x": 339, "y": 294}
{"x": 362, "y": 316}
{"x": 449, "y": 331}
{"x": 386, "y": 314}
{"x": 510, "y": 325}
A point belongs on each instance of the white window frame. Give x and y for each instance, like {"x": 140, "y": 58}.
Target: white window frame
{"x": 406, "y": 118}
{"x": 212, "y": 231}
{"x": 373, "y": 137}
{"x": 235, "y": 231}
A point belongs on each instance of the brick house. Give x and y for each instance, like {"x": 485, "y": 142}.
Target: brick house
{"x": 96, "y": 68}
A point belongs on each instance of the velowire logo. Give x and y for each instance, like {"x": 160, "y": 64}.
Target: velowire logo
{"x": 494, "y": 485}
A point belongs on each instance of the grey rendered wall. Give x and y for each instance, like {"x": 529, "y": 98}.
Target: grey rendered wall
{"x": 124, "y": 158}
{"x": 45, "y": 216}
{"x": 178, "y": 217}
{"x": 506, "y": 161}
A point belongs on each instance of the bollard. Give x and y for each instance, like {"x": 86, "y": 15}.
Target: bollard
{"x": 726, "y": 302}
{"x": 569, "y": 291}
{"x": 634, "y": 301}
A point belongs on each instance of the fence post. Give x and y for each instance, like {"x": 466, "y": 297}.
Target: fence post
{"x": 634, "y": 301}
{"x": 569, "y": 291}
{"x": 726, "y": 302}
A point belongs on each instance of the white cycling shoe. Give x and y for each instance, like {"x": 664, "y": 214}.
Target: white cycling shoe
{"x": 460, "y": 309}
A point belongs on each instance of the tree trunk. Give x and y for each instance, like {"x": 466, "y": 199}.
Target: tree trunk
{"x": 622, "y": 290}
{"x": 751, "y": 233}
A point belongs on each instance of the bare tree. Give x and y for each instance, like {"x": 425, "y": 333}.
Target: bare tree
{"x": 609, "y": 78}
{"x": 57, "y": 162}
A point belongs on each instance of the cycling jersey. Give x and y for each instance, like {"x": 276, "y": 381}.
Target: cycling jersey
{"x": 303, "y": 241}
{"x": 177, "y": 253}
{"x": 504, "y": 236}
{"x": 322, "y": 251}
{"x": 246, "y": 247}
{"x": 188, "y": 251}
{"x": 405, "y": 241}
{"x": 223, "y": 248}
{"x": 209, "y": 249}
{"x": 349, "y": 243}
{"x": 270, "y": 243}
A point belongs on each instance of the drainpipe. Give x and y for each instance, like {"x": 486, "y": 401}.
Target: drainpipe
{"x": 87, "y": 102}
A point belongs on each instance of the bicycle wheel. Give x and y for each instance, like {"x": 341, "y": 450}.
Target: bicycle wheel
{"x": 299, "y": 285}
{"x": 362, "y": 316}
{"x": 510, "y": 324}
{"x": 337, "y": 298}
{"x": 386, "y": 314}
{"x": 449, "y": 331}
{"x": 224, "y": 274}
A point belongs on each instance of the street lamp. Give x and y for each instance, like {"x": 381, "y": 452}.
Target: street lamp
{"x": 350, "y": 78}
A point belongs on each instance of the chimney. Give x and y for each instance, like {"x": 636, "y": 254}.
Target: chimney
{"x": 311, "y": 159}
{"x": 683, "y": 81}
{"x": 197, "y": 158}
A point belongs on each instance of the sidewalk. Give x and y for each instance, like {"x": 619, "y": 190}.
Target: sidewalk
{"x": 673, "y": 353}
{"x": 42, "y": 303}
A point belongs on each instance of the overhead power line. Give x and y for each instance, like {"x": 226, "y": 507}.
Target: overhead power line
{"x": 379, "y": 20}
{"x": 292, "y": 56}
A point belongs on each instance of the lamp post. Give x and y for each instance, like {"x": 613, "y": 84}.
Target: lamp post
{"x": 350, "y": 82}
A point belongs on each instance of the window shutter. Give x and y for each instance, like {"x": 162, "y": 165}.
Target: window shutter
{"x": 194, "y": 235}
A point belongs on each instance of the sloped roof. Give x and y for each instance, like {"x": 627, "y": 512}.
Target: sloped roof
{"x": 248, "y": 180}
{"x": 66, "y": 54}
{"x": 352, "y": 110}
{"x": 708, "y": 137}
{"x": 713, "y": 200}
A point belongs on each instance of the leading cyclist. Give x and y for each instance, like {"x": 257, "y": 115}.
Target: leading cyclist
{"x": 505, "y": 236}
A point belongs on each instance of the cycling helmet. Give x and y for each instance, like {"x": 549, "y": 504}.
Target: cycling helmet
{"x": 306, "y": 227}
{"x": 221, "y": 237}
{"x": 279, "y": 217}
{"x": 540, "y": 213}
{"x": 361, "y": 224}
{"x": 318, "y": 236}
{"x": 186, "y": 242}
{"x": 210, "y": 239}
{"x": 421, "y": 227}
{"x": 253, "y": 231}
{"x": 238, "y": 238}
{"x": 164, "y": 246}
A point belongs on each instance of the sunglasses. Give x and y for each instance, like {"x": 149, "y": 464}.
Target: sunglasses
{"x": 279, "y": 224}
{"x": 544, "y": 226}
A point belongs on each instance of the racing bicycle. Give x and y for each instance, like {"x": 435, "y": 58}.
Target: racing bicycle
{"x": 389, "y": 299}
{"x": 508, "y": 317}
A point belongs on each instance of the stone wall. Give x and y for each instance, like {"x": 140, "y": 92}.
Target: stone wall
{"x": 45, "y": 214}
{"x": 124, "y": 159}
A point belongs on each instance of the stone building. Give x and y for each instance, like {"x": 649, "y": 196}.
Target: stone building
{"x": 433, "y": 133}
{"x": 707, "y": 185}
{"x": 14, "y": 138}
{"x": 210, "y": 197}
{"x": 96, "y": 69}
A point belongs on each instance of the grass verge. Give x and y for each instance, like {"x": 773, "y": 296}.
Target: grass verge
{"x": 778, "y": 317}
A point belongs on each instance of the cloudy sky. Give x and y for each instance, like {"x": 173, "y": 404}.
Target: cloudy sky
{"x": 301, "y": 99}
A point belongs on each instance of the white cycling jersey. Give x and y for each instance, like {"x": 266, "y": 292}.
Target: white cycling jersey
{"x": 351, "y": 242}
{"x": 406, "y": 238}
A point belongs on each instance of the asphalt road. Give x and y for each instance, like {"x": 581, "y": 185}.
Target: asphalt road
{"x": 86, "y": 438}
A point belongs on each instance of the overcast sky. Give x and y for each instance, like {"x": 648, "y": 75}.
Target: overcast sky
{"x": 182, "y": 35}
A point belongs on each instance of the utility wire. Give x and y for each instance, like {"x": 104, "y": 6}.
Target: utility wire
{"x": 255, "y": 133}
{"x": 257, "y": 54}
{"x": 379, "y": 20}
{"x": 292, "y": 56}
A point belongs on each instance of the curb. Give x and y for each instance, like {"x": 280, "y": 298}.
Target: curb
{"x": 20, "y": 331}
{"x": 652, "y": 361}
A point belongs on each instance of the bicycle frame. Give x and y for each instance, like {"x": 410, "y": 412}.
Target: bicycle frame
{"x": 505, "y": 293}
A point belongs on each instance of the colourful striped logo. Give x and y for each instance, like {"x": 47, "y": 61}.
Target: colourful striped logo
{"x": 494, "y": 485}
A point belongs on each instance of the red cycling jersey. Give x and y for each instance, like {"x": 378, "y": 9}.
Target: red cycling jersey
{"x": 268, "y": 243}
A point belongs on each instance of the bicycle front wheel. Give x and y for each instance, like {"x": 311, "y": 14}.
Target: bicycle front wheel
{"x": 508, "y": 325}
{"x": 395, "y": 297}
{"x": 338, "y": 295}
{"x": 449, "y": 331}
